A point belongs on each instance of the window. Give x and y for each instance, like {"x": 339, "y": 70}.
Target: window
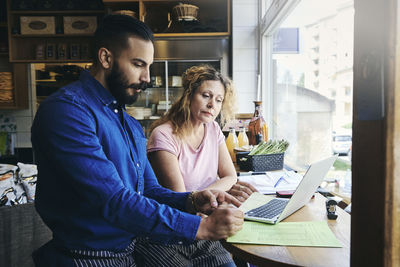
{"x": 347, "y": 90}
{"x": 310, "y": 113}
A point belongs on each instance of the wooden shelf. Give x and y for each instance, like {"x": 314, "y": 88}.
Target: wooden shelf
{"x": 8, "y": 105}
{"x": 119, "y": 1}
{"x": 192, "y": 34}
{"x": 53, "y": 12}
{"x": 50, "y": 35}
{"x": 214, "y": 17}
{"x": 52, "y": 60}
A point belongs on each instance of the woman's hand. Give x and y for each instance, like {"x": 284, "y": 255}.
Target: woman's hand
{"x": 242, "y": 190}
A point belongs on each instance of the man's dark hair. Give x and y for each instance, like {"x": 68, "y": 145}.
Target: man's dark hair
{"x": 113, "y": 33}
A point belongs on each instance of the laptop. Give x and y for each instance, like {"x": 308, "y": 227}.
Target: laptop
{"x": 278, "y": 209}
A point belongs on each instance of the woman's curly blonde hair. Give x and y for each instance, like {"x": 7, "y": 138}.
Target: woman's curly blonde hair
{"x": 179, "y": 114}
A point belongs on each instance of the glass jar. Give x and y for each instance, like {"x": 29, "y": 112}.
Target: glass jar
{"x": 232, "y": 142}
{"x": 242, "y": 137}
{"x": 258, "y": 129}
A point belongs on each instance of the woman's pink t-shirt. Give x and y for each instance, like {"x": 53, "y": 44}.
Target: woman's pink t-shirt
{"x": 199, "y": 167}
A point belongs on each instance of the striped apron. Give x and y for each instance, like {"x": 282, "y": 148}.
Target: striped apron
{"x": 104, "y": 258}
{"x": 52, "y": 255}
{"x": 200, "y": 253}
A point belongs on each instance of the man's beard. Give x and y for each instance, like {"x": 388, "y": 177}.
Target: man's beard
{"x": 118, "y": 85}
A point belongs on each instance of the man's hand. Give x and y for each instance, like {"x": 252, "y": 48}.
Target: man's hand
{"x": 224, "y": 222}
{"x": 207, "y": 201}
{"x": 242, "y": 190}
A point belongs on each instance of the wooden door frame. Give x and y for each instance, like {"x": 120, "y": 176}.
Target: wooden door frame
{"x": 392, "y": 186}
{"x": 375, "y": 229}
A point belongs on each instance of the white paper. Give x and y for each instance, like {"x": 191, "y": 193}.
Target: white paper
{"x": 268, "y": 183}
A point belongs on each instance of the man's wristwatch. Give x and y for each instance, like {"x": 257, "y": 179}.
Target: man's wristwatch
{"x": 191, "y": 205}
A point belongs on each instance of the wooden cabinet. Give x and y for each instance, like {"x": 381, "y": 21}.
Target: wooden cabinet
{"x": 47, "y": 46}
{"x": 13, "y": 77}
{"x": 211, "y": 17}
{"x": 19, "y": 92}
{"x": 49, "y": 77}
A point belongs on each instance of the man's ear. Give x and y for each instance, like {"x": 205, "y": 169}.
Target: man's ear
{"x": 105, "y": 58}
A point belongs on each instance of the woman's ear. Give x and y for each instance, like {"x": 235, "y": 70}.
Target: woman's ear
{"x": 105, "y": 58}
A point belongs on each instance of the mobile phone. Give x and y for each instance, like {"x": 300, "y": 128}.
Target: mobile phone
{"x": 285, "y": 194}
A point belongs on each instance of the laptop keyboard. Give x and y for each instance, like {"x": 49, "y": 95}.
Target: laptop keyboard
{"x": 269, "y": 210}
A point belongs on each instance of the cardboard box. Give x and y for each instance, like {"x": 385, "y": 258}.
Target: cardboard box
{"x": 37, "y": 25}
{"x": 81, "y": 24}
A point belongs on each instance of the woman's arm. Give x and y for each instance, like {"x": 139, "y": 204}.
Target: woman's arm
{"x": 166, "y": 168}
{"x": 228, "y": 181}
{"x": 226, "y": 170}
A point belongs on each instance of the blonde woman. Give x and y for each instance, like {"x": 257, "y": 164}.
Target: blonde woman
{"x": 187, "y": 152}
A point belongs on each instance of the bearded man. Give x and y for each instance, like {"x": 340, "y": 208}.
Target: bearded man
{"x": 96, "y": 189}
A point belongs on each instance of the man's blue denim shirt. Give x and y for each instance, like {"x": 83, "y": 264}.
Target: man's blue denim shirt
{"x": 96, "y": 188}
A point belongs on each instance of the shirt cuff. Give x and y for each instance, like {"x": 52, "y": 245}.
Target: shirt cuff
{"x": 188, "y": 225}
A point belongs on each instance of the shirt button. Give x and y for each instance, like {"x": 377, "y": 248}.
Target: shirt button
{"x": 116, "y": 110}
{"x": 137, "y": 164}
{"x": 180, "y": 242}
{"x": 115, "y": 102}
{"x": 139, "y": 192}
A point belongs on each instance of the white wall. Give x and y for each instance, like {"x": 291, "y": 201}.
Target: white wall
{"x": 245, "y": 52}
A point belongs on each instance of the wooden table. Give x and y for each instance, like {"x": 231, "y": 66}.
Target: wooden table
{"x": 265, "y": 255}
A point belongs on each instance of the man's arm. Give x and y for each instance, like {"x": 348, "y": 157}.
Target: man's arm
{"x": 64, "y": 133}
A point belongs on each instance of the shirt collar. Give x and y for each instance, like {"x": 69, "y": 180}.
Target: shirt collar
{"x": 98, "y": 89}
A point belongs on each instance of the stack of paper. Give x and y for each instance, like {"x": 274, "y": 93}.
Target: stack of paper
{"x": 313, "y": 234}
{"x": 270, "y": 182}
{"x": 309, "y": 234}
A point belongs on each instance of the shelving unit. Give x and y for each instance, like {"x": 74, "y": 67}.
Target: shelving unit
{"x": 214, "y": 18}
{"x": 213, "y": 21}
{"x": 24, "y": 47}
{"x": 19, "y": 92}
{"x": 49, "y": 77}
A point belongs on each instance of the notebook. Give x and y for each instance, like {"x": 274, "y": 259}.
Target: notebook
{"x": 278, "y": 209}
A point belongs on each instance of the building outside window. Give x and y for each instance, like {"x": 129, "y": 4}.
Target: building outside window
{"x": 308, "y": 79}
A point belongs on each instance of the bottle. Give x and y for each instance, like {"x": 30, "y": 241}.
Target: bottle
{"x": 242, "y": 137}
{"x": 232, "y": 142}
{"x": 258, "y": 129}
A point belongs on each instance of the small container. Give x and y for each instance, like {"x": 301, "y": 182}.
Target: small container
{"x": 62, "y": 51}
{"x": 260, "y": 163}
{"x": 40, "y": 51}
{"x": 243, "y": 140}
{"x": 74, "y": 51}
{"x": 232, "y": 142}
{"x": 185, "y": 12}
{"x": 127, "y": 12}
{"x": 85, "y": 51}
{"x": 50, "y": 51}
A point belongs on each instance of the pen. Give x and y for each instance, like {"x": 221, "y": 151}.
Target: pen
{"x": 249, "y": 173}
{"x": 279, "y": 180}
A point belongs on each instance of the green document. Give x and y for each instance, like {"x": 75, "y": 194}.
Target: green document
{"x": 305, "y": 234}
